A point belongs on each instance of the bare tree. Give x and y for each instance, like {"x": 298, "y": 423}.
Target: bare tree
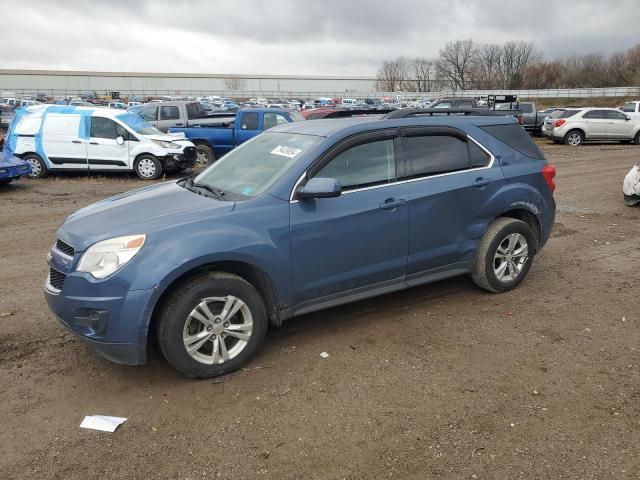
{"x": 514, "y": 59}
{"x": 488, "y": 65}
{"x": 423, "y": 73}
{"x": 235, "y": 83}
{"x": 392, "y": 75}
{"x": 457, "y": 61}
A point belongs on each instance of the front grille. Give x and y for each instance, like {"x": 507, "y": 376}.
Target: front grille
{"x": 56, "y": 278}
{"x": 64, "y": 247}
{"x": 190, "y": 153}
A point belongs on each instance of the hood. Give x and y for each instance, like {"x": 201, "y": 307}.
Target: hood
{"x": 166, "y": 137}
{"x": 145, "y": 210}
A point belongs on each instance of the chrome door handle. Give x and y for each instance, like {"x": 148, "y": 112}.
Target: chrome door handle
{"x": 392, "y": 203}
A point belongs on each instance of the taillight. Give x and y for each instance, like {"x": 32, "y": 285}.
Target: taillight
{"x": 549, "y": 172}
{"x": 560, "y": 122}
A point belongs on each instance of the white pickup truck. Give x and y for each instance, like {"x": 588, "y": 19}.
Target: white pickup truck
{"x": 632, "y": 109}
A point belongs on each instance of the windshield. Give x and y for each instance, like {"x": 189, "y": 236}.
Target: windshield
{"x": 254, "y": 166}
{"x": 138, "y": 125}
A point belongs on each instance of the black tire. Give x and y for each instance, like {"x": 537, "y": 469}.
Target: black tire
{"x": 484, "y": 274}
{"x": 574, "y": 134}
{"x": 207, "y": 152}
{"x": 636, "y": 139}
{"x": 38, "y": 167}
{"x": 175, "y": 315}
{"x": 148, "y": 167}
{"x": 5, "y": 181}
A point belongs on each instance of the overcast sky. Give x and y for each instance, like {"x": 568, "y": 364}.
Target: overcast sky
{"x": 301, "y": 37}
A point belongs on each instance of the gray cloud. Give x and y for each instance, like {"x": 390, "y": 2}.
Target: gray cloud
{"x": 293, "y": 37}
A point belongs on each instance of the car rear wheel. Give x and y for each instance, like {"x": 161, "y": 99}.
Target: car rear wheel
{"x": 212, "y": 325}
{"x": 38, "y": 167}
{"x": 574, "y": 138}
{"x": 204, "y": 156}
{"x": 636, "y": 139}
{"x": 148, "y": 167}
{"x": 504, "y": 255}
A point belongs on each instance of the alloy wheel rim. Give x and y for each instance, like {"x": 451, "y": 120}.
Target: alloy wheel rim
{"x": 574, "y": 139}
{"x": 146, "y": 167}
{"x": 510, "y": 257}
{"x": 217, "y": 329}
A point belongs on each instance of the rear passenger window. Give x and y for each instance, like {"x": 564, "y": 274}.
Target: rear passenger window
{"x": 434, "y": 154}
{"x": 169, "y": 113}
{"x": 515, "y": 136}
{"x": 250, "y": 121}
{"x": 362, "y": 166}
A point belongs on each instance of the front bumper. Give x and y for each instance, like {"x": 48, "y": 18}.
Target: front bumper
{"x": 110, "y": 319}
{"x": 186, "y": 159}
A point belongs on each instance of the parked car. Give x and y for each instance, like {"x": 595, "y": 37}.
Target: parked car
{"x": 80, "y": 103}
{"x": 632, "y": 109}
{"x": 165, "y": 115}
{"x": 306, "y": 216}
{"x": 530, "y": 119}
{"x": 631, "y": 186}
{"x": 118, "y": 105}
{"x": 576, "y": 126}
{"x": 213, "y": 141}
{"x": 133, "y": 104}
{"x": 454, "y": 102}
{"x": 11, "y": 167}
{"x": 52, "y": 138}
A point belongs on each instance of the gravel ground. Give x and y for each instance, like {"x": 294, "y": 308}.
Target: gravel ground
{"x": 442, "y": 381}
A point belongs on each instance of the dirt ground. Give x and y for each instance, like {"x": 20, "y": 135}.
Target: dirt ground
{"x": 443, "y": 381}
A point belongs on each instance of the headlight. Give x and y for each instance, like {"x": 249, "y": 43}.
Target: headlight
{"x": 103, "y": 258}
{"x": 164, "y": 144}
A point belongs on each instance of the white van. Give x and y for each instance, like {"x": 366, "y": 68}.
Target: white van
{"x": 350, "y": 102}
{"x": 60, "y": 137}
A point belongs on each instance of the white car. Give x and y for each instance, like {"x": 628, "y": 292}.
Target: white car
{"x": 631, "y": 186}
{"x": 574, "y": 126}
{"x": 57, "y": 138}
{"x": 631, "y": 109}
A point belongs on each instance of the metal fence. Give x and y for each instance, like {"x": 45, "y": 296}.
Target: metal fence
{"x": 546, "y": 93}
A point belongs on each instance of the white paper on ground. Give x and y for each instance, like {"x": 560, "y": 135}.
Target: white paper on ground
{"x": 103, "y": 423}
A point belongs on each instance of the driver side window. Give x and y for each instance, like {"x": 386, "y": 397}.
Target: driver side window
{"x": 363, "y": 166}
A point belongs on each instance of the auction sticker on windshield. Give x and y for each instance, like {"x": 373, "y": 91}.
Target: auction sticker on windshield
{"x": 289, "y": 152}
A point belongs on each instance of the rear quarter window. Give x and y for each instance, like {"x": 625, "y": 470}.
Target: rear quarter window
{"x": 515, "y": 137}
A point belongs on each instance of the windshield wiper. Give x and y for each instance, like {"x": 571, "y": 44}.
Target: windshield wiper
{"x": 216, "y": 191}
{"x": 189, "y": 184}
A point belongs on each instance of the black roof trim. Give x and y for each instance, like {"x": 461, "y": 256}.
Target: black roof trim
{"x": 420, "y": 112}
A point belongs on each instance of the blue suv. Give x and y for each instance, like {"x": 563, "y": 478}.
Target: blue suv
{"x": 306, "y": 216}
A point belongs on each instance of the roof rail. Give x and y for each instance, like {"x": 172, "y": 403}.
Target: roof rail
{"x": 420, "y": 112}
{"x": 342, "y": 113}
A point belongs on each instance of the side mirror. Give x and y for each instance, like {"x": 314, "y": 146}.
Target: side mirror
{"x": 627, "y": 118}
{"x": 120, "y": 140}
{"x": 319, "y": 188}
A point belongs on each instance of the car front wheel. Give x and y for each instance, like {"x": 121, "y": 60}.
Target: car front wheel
{"x": 504, "y": 255}
{"x": 148, "y": 167}
{"x": 212, "y": 325}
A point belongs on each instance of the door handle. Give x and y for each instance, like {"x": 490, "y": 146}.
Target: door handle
{"x": 481, "y": 182}
{"x": 392, "y": 203}
{"x": 93, "y": 143}
{"x": 76, "y": 141}
{"x": 178, "y": 124}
